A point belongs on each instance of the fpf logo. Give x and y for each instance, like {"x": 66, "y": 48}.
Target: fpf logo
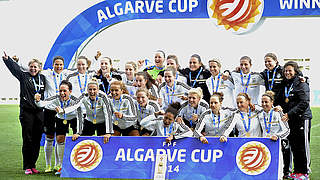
{"x": 253, "y": 158}
{"x": 237, "y": 16}
{"x": 86, "y": 155}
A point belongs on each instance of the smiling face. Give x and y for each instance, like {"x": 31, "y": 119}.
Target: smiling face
{"x": 172, "y": 63}
{"x": 289, "y": 72}
{"x": 270, "y": 63}
{"x": 242, "y": 103}
{"x": 64, "y": 92}
{"x": 215, "y": 104}
{"x": 266, "y": 103}
{"x": 116, "y": 91}
{"x": 158, "y": 59}
{"x": 129, "y": 70}
{"x": 194, "y": 63}
{"x": 58, "y": 66}
{"x": 193, "y": 99}
{"x": 168, "y": 119}
{"x": 140, "y": 81}
{"x": 245, "y": 66}
{"x": 105, "y": 65}
{"x": 34, "y": 68}
{"x": 93, "y": 91}
{"x": 169, "y": 78}
{"x": 142, "y": 98}
{"x": 214, "y": 68}
{"x": 82, "y": 66}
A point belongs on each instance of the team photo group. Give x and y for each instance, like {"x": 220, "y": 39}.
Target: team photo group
{"x": 205, "y": 99}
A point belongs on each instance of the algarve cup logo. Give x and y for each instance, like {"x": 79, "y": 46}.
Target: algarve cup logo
{"x": 238, "y": 16}
{"x": 253, "y": 158}
{"x": 86, "y": 155}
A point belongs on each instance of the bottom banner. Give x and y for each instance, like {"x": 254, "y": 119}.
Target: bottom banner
{"x": 188, "y": 158}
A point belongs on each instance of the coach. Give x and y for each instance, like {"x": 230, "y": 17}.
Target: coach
{"x": 31, "y": 116}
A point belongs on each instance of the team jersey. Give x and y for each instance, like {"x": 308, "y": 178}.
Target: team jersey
{"x": 171, "y": 94}
{"x": 275, "y": 126}
{"x": 154, "y": 71}
{"x": 97, "y": 110}
{"x": 126, "y": 81}
{"x": 178, "y": 130}
{"x": 186, "y": 112}
{"x": 217, "y": 84}
{"x": 126, "y": 106}
{"x": 80, "y": 82}
{"x": 149, "y": 109}
{"x": 249, "y": 83}
{"x": 53, "y": 81}
{"x": 104, "y": 83}
{"x": 211, "y": 124}
{"x": 247, "y": 127}
{"x": 179, "y": 77}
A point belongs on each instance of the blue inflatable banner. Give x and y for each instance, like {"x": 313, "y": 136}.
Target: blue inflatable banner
{"x": 152, "y": 157}
{"x": 237, "y": 16}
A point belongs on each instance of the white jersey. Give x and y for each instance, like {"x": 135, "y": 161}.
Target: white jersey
{"x": 80, "y": 82}
{"x": 149, "y": 109}
{"x": 217, "y": 84}
{"x": 213, "y": 125}
{"x": 186, "y": 111}
{"x": 274, "y": 127}
{"x": 171, "y": 94}
{"x": 53, "y": 81}
{"x": 246, "y": 127}
{"x": 178, "y": 130}
{"x": 252, "y": 87}
{"x": 97, "y": 111}
{"x": 126, "y": 106}
{"x": 126, "y": 81}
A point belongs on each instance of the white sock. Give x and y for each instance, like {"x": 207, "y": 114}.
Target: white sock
{"x": 60, "y": 152}
{"x": 56, "y": 158}
{"x": 48, "y": 150}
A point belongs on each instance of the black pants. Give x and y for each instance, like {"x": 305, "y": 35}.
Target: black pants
{"x": 32, "y": 129}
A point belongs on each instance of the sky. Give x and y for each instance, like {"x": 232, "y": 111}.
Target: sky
{"x": 29, "y": 29}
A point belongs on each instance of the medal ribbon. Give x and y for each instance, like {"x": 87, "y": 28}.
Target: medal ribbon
{"x": 268, "y": 127}
{"x": 170, "y": 130}
{"x": 37, "y": 88}
{"x": 190, "y": 118}
{"x": 142, "y": 115}
{"x": 120, "y": 101}
{"x": 244, "y": 122}
{"x": 172, "y": 94}
{"x": 55, "y": 81}
{"x": 218, "y": 83}
{"x": 214, "y": 122}
{"x": 61, "y": 105}
{"x": 287, "y": 92}
{"x": 94, "y": 115}
{"x": 85, "y": 83}
{"x": 194, "y": 82}
{"x": 273, "y": 76}
{"x": 247, "y": 84}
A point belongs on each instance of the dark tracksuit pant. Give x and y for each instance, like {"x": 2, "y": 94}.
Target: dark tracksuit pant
{"x": 32, "y": 129}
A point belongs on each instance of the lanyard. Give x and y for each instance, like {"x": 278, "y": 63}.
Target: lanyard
{"x": 120, "y": 101}
{"x": 55, "y": 81}
{"x": 287, "y": 92}
{"x": 61, "y": 105}
{"x": 85, "y": 83}
{"x": 103, "y": 86}
{"x": 268, "y": 127}
{"x": 37, "y": 88}
{"x": 273, "y": 76}
{"x": 172, "y": 94}
{"x": 218, "y": 82}
{"x": 190, "y": 119}
{"x": 142, "y": 115}
{"x": 244, "y": 122}
{"x": 170, "y": 130}
{"x": 247, "y": 84}
{"x": 214, "y": 122}
{"x": 94, "y": 108}
{"x": 194, "y": 82}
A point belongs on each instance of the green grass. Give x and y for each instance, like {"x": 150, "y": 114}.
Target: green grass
{"x": 11, "y": 143}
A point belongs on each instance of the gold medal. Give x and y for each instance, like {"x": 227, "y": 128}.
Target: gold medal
{"x": 94, "y": 121}
{"x": 116, "y": 123}
{"x": 64, "y": 121}
{"x": 287, "y": 100}
{"x": 247, "y": 134}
